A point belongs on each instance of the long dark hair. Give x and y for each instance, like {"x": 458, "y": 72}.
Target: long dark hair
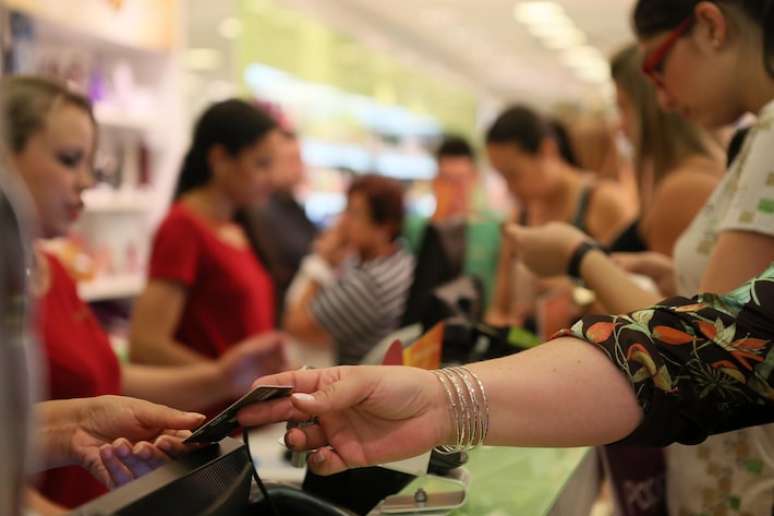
{"x": 234, "y": 124}
{"x": 652, "y": 17}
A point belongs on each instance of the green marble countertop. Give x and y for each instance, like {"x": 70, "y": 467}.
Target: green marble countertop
{"x": 512, "y": 481}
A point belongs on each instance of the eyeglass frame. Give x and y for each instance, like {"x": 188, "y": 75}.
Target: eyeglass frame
{"x": 652, "y": 65}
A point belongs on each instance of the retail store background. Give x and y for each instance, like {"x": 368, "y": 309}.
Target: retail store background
{"x": 370, "y": 86}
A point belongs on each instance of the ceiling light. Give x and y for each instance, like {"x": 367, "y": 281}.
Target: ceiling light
{"x": 538, "y": 12}
{"x": 558, "y": 37}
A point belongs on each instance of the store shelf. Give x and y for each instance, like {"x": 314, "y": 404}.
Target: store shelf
{"x": 391, "y": 162}
{"x": 113, "y": 287}
{"x": 116, "y": 201}
{"x": 110, "y": 116}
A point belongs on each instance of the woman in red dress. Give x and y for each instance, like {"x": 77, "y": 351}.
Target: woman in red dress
{"x": 207, "y": 290}
{"x": 51, "y": 135}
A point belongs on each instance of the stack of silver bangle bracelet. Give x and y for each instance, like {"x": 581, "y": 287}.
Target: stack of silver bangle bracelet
{"x": 468, "y": 408}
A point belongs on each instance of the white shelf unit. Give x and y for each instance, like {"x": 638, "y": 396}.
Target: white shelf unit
{"x": 114, "y": 117}
{"x": 104, "y": 200}
{"x": 118, "y": 221}
{"x": 111, "y": 287}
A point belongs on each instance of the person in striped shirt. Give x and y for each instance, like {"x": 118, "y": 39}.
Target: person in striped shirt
{"x": 351, "y": 293}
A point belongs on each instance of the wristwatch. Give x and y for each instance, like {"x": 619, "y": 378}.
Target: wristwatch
{"x": 573, "y": 266}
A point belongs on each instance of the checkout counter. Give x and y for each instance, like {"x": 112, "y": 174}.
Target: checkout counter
{"x": 216, "y": 481}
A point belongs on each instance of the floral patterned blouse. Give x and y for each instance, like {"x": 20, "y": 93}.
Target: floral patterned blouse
{"x": 698, "y": 366}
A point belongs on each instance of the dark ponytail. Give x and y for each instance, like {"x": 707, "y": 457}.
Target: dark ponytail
{"x": 233, "y": 124}
{"x": 652, "y": 17}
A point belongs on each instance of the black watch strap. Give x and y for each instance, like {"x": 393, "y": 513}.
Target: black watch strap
{"x": 574, "y": 265}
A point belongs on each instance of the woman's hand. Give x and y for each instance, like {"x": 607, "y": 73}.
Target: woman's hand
{"x": 366, "y": 415}
{"x": 658, "y": 267}
{"x": 546, "y": 250}
{"x": 116, "y": 438}
{"x": 256, "y": 356}
{"x": 332, "y": 246}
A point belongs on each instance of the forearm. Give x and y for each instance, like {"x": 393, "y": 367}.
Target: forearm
{"x": 190, "y": 387}
{"x": 613, "y": 286}
{"x": 40, "y": 505}
{"x": 57, "y": 422}
{"x": 563, "y": 393}
{"x": 500, "y": 307}
{"x": 163, "y": 352}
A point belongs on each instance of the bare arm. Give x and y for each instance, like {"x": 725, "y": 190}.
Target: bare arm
{"x": 156, "y": 315}
{"x": 737, "y": 257}
{"x": 542, "y": 405}
{"x": 546, "y": 250}
{"x": 371, "y": 415}
{"x": 500, "y": 311}
{"x": 41, "y": 505}
{"x": 675, "y": 204}
{"x": 198, "y": 386}
{"x": 192, "y": 387}
{"x": 640, "y": 378}
{"x": 613, "y": 286}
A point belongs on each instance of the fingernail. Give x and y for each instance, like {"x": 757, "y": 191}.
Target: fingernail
{"x": 318, "y": 458}
{"x": 123, "y": 451}
{"x": 300, "y": 396}
{"x": 107, "y": 453}
{"x": 165, "y": 445}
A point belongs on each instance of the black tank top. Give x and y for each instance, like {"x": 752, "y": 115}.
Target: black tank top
{"x": 581, "y": 212}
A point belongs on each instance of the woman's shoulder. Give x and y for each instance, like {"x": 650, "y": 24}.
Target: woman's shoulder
{"x": 179, "y": 218}
{"x": 58, "y": 276}
{"x": 606, "y": 198}
{"x": 696, "y": 174}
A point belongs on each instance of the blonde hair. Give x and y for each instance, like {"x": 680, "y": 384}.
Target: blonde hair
{"x": 27, "y": 101}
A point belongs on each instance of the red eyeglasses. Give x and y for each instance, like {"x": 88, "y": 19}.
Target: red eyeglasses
{"x": 653, "y": 64}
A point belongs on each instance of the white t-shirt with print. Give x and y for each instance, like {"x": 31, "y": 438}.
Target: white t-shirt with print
{"x": 730, "y": 473}
{"x": 743, "y": 201}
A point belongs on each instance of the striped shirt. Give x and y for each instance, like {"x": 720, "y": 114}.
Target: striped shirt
{"x": 365, "y": 304}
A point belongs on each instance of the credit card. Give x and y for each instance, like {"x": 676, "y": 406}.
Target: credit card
{"x": 221, "y": 426}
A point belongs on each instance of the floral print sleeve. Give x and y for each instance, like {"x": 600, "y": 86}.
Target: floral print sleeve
{"x": 698, "y": 366}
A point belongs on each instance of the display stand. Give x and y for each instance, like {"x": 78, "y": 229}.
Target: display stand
{"x": 125, "y": 57}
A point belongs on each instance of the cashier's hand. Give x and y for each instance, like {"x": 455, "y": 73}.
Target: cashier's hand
{"x": 546, "y": 250}
{"x": 119, "y": 439}
{"x": 366, "y": 415}
{"x": 255, "y": 356}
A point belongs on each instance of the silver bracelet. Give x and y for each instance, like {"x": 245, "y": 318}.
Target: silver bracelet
{"x": 485, "y": 403}
{"x": 465, "y": 405}
{"x": 469, "y": 408}
{"x": 454, "y": 412}
{"x": 473, "y": 413}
